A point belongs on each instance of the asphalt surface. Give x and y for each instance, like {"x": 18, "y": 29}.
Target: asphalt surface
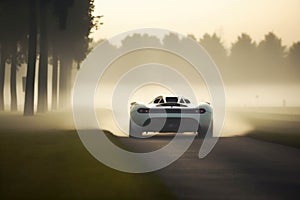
{"x": 237, "y": 168}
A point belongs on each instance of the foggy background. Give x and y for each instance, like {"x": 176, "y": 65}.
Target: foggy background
{"x": 257, "y": 55}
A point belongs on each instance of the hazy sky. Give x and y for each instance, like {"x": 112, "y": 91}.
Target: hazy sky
{"x": 228, "y": 18}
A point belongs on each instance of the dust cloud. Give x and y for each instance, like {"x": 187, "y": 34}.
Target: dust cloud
{"x": 234, "y": 125}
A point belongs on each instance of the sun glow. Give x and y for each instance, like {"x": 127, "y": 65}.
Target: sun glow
{"x": 228, "y": 18}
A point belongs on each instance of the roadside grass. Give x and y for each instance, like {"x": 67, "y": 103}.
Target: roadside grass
{"x": 54, "y": 164}
{"x": 278, "y": 125}
{"x": 288, "y": 139}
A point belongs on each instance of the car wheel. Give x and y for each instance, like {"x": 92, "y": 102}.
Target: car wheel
{"x": 205, "y": 133}
{"x": 134, "y": 130}
{"x": 200, "y": 133}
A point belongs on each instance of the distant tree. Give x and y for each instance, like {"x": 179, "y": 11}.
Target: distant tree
{"x": 243, "y": 48}
{"x": 294, "y": 54}
{"x": 294, "y": 60}
{"x": 271, "y": 54}
{"x": 54, "y": 79}
{"x": 191, "y": 36}
{"x": 138, "y": 40}
{"x": 214, "y": 46}
{"x": 271, "y": 47}
{"x": 242, "y": 59}
{"x": 171, "y": 40}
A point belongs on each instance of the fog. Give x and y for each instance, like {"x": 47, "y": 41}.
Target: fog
{"x": 238, "y": 96}
{"x": 173, "y": 75}
{"x": 141, "y": 75}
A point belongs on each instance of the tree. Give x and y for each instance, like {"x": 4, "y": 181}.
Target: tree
{"x": 191, "y": 36}
{"x": 75, "y": 24}
{"x": 243, "y": 48}
{"x": 17, "y": 43}
{"x": 294, "y": 61}
{"x": 70, "y": 21}
{"x": 56, "y": 23}
{"x": 54, "y": 78}
{"x": 171, "y": 40}
{"x": 214, "y": 46}
{"x": 13, "y": 75}
{"x": 242, "y": 59}
{"x": 4, "y": 35}
{"x": 43, "y": 58}
{"x": 271, "y": 47}
{"x": 13, "y": 21}
{"x": 294, "y": 54}
{"x": 2, "y": 73}
{"x": 32, "y": 45}
{"x": 138, "y": 40}
{"x": 271, "y": 58}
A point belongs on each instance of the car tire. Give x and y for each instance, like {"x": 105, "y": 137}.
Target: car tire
{"x": 205, "y": 133}
{"x": 134, "y": 130}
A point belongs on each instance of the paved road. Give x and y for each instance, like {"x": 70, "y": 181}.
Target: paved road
{"x": 237, "y": 168}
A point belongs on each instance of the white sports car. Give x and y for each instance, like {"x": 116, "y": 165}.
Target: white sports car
{"x": 170, "y": 114}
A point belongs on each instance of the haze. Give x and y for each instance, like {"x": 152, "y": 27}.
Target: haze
{"x": 262, "y": 83}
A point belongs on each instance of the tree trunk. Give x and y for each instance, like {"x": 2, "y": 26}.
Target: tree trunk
{"x": 32, "y": 42}
{"x": 54, "y": 80}
{"x": 43, "y": 62}
{"x": 64, "y": 82}
{"x": 13, "y": 83}
{"x": 2, "y": 74}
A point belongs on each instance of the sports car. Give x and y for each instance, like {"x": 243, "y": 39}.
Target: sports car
{"x": 168, "y": 113}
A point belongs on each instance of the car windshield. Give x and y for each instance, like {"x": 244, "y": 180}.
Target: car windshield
{"x": 171, "y": 99}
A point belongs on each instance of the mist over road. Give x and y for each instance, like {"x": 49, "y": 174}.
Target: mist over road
{"x": 237, "y": 168}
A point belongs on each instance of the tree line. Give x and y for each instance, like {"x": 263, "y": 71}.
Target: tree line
{"x": 39, "y": 33}
{"x": 245, "y": 61}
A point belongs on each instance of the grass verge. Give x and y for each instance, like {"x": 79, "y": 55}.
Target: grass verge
{"x": 55, "y": 165}
{"x": 288, "y": 139}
